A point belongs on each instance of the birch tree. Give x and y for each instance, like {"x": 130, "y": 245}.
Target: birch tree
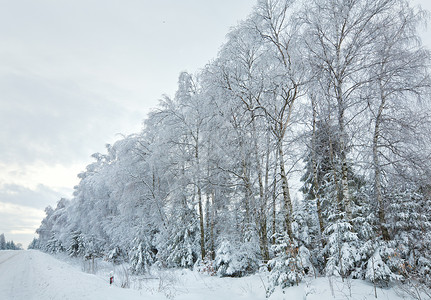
{"x": 340, "y": 37}
{"x": 399, "y": 76}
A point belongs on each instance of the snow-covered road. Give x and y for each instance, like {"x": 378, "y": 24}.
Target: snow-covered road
{"x": 34, "y": 275}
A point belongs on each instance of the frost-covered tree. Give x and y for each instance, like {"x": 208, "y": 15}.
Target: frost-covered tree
{"x": 290, "y": 264}
{"x": 8, "y": 245}
{"x": 381, "y": 267}
{"x": 142, "y": 256}
{"x": 34, "y": 244}
{"x": 2, "y": 242}
{"x": 76, "y": 245}
{"x": 400, "y": 75}
{"x": 178, "y": 246}
{"x": 410, "y": 225}
{"x": 235, "y": 259}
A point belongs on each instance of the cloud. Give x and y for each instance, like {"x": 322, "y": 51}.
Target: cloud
{"x": 26, "y": 231}
{"x": 61, "y": 178}
{"x": 52, "y": 120}
{"x": 32, "y": 199}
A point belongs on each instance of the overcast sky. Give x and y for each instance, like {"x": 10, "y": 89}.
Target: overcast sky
{"x": 75, "y": 74}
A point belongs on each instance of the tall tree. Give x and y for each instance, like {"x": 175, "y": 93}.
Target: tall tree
{"x": 340, "y": 38}
{"x": 398, "y": 76}
{"x": 279, "y": 32}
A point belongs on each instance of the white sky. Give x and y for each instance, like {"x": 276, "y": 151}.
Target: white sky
{"x": 74, "y": 74}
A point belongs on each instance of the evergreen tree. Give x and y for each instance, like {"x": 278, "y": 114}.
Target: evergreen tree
{"x": 410, "y": 225}
{"x": 380, "y": 265}
{"x": 290, "y": 264}
{"x": 236, "y": 259}
{"x": 178, "y": 246}
{"x": 2, "y": 242}
{"x": 34, "y": 244}
{"x": 142, "y": 256}
{"x": 76, "y": 245}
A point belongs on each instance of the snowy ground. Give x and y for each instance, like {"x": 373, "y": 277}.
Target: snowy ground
{"x": 35, "y": 275}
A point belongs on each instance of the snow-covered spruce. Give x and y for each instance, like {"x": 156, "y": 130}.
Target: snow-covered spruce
{"x": 290, "y": 264}
{"x": 236, "y": 259}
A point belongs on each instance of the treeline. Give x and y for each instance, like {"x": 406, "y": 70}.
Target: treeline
{"x": 328, "y": 95}
{"x": 10, "y": 245}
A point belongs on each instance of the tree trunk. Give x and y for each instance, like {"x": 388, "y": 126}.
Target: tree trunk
{"x": 315, "y": 175}
{"x": 208, "y": 220}
{"x": 248, "y": 192}
{"x": 346, "y": 199}
{"x": 261, "y": 213}
{"x": 274, "y": 207}
{"x": 286, "y": 193}
{"x": 335, "y": 177}
{"x": 200, "y": 208}
{"x": 212, "y": 223}
{"x": 201, "y": 223}
{"x": 378, "y": 172}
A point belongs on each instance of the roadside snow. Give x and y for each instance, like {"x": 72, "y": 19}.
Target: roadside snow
{"x": 35, "y": 275}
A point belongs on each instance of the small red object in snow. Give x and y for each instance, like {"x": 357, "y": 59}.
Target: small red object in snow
{"x": 111, "y": 277}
